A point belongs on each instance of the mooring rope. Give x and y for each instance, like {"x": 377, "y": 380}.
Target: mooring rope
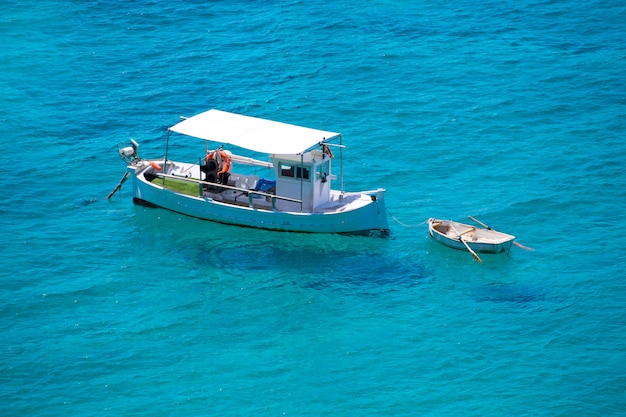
{"x": 406, "y": 225}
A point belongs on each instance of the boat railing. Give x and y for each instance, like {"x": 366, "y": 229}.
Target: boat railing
{"x": 249, "y": 192}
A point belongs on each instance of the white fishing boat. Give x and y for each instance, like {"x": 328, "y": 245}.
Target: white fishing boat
{"x": 470, "y": 238}
{"x": 292, "y": 193}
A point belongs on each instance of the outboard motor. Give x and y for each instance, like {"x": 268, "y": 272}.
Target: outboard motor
{"x": 129, "y": 153}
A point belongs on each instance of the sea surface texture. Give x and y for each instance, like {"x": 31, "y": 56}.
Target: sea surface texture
{"x": 513, "y": 112}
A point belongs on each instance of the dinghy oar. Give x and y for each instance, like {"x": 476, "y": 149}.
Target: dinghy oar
{"x": 519, "y": 245}
{"x": 460, "y": 236}
{"x": 480, "y": 223}
{"x": 119, "y": 185}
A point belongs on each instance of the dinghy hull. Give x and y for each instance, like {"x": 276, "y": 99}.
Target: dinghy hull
{"x": 450, "y": 233}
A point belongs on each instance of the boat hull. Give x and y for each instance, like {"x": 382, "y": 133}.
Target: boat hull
{"x": 479, "y": 240}
{"x": 367, "y": 217}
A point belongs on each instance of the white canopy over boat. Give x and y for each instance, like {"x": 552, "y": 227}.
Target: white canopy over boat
{"x": 259, "y": 135}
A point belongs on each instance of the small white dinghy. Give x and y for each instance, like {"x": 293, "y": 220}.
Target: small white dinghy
{"x": 470, "y": 238}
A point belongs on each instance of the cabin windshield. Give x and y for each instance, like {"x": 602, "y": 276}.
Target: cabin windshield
{"x": 294, "y": 171}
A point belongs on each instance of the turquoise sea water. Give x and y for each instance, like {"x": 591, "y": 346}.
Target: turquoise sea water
{"x": 513, "y": 112}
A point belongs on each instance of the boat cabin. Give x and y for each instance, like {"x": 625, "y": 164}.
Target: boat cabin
{"x": 302, "y": 177}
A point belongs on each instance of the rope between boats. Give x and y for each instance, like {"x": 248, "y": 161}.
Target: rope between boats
{"x": 403, "y": 224}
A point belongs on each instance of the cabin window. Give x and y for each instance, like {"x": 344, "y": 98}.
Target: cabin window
{"x": 302, "y": 173}
{"x": 323, "y": 171}
{"x": 294, "y": 171}
{"x": 286, "y": 170}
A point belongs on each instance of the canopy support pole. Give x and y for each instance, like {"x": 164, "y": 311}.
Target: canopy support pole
{"x": 341, "y": 163}
{"x": 301, "y": 181}
{"x": 167, "y": 147}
